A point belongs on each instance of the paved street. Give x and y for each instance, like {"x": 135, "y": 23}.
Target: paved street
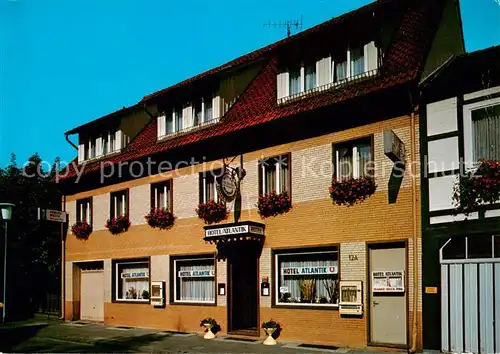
{"x": 53, "y": 336}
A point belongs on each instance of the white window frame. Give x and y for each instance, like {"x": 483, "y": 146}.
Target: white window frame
{"x": 123, "y": 195}
{"x": 80, "y": 203}
{"x": 467, "y": 120}
{"x": 277, "y": 277}
{"x": 176, "y": 276}
{"x": 204, "y": 186}
{"x": 277, "y": 166}
{"x": 118, "y": 278}
{"x": 355, "y": 157}
{"x": 166, "y": 186}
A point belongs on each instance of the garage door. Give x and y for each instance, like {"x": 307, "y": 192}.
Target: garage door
{"x": 92, "y": 295}
{"x": 470, "y": 287}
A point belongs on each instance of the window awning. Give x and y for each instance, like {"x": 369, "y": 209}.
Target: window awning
{"x": 239, "y": 231}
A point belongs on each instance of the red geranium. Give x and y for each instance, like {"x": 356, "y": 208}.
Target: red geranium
{"x": 351, "y": 191}
{"x": 81, "y": 229}
{"x": 118, "y": 225}
{"x": 272, "y": 204}
{"x": 212, "y": 212}
{"x": 160, "y": 218}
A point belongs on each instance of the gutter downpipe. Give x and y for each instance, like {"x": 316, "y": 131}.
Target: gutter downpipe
{"x": 70, "y": 142}
{"x": 413, "y": 349}
{"x": 63, "y": 266}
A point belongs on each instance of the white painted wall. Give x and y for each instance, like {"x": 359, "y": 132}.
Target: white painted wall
{"x": 442, "y": 117}
{"x": 443, "y": 155}
{"x": 440, "y": 192}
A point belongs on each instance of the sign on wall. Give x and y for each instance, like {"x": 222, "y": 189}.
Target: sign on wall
{"x": 234, "y": 230}
{"x": 135, "y": 275}
{"x": 388, "y": 281}
{"x": 196, "y": 273}
{"x": 52, "y": 215}
{"x": 394, "y": 148}
{"x": 309, "y": 270}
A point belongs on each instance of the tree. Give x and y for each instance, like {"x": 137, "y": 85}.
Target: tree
{"x": 34, "y": 247}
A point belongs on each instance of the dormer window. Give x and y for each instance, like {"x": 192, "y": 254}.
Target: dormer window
{"x": 104, "y": 144}
{"x": 340, "y": 67}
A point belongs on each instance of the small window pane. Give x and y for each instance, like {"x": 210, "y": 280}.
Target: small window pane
{"x": 197, "y": 113}
{"x": 340, "y": 67}
{"x": 310, "y": 77}
{"x": 455, "y": 249}
{"x": 269, "y": 175}
{"x": 169, "y": 124}
{"x": 294, "y": 81}
{"x": 195, "y": 280}
{"x": 357, "y": 61}
{"x": 345, "y": 163}
{"x": 479, "y": 246}
{"x": 486, "y": 132}
{"x": 132, "y": 281}
{"x": 208, "y": 109}
{"x": 178, "y": 119}
{"x": 364, "y": 159}
{"x": 284, "y": 171}
{"x": 105, "y": 143}
{"x": 308, "y": 278}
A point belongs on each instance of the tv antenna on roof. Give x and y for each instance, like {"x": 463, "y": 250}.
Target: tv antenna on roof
{"x": 295, "y": 24}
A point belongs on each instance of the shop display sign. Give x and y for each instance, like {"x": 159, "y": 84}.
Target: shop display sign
{"x": 135, "y": 275}
{"x": 283, "y": 289}
{"x": 309, "y": 270}
{"x": 196, "y": 273}
{"x": 388, "y": 281}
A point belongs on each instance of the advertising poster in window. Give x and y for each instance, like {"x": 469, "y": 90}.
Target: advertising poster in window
{"x": 388, "y": 281}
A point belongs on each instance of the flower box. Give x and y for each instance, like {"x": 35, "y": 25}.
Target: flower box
{"x": 118, "y": 225}
{"x": 162, "y": 219}
{"x": 477, "y": 187}
{"x": 81, "y": 229}
{"x": 351, "y": 191}
{"x": 272, "y": 204}
{"x": 212, "y": 212}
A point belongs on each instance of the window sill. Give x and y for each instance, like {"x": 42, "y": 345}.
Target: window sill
{"x": 129, "y": 301}
{"x": 188, "y": 129}
{"x": 332, "y": 85}
{"x": 295, "y": 306}
{"x": 187, "y": 303}
{"x": 100, "y": 157}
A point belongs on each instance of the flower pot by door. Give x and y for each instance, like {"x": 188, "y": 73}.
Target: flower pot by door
{"x": 270, "y": 340}
{"x": 208, "y": 334}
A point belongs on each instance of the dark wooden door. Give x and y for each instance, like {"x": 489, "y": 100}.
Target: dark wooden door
{"x": 243, "y": 310}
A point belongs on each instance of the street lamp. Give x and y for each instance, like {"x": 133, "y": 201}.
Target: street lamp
{"x": 6, "y": 213}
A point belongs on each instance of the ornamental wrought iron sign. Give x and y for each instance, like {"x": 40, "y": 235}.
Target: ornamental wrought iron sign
{"x": 228, "y": 184}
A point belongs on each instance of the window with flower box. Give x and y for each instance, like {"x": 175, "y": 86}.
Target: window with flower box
{"x": 161, "y": 195}
{"x": 193, "y": 279}
{"x": 208, "y": 187}
{"x": 353, "y": 159}
{"x": 84, "y": 210}
{"x": 307, "y": 277}
{"x": 118, "y": 204}
{"x": 275, "y": 174}
{"x": 131, "y": 280}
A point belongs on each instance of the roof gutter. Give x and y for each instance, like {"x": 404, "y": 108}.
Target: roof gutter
{"x": 66, "y": 135}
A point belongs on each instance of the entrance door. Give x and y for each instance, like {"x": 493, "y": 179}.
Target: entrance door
{"x": 243, "y": 295}
{"x": 388, "y": 308}
{"x": 92, "y": 295}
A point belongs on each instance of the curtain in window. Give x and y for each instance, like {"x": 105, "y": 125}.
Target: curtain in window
{"x": 178, "y": 119}
{"x": 486, "y": 133}
{"x": 197, "y": 114}
{"x": 119, "y": 205}
{"x": 161, "y": 197}
{"x": 345, "y": 163}
{"x": 322, "y": 286}
{"x": 104, "y": 144}
{"x": 340, "y": 70}
{"x": 294, "y": 82}
{"x": 170, "y": 124}
{"x": 134, "y": 288}
{"x": 210, "y": 190}
{"x": 269, "y": 176}
{"x": 310, "y": 77}
{"x": 357, "y": 61}
{"x": 364, "y": 158}
{"x": 208, "y": 110}
{"x": 196, "y": 289}
{"x": 284, "y": 178}
{"x": 112, "y": 146}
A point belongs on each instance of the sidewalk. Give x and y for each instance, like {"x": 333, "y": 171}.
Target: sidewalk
{"x": 54, "y": 336}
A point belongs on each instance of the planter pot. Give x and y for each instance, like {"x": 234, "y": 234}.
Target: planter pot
{"x": 208, "y": 334}
{"x": 270, "y": 340}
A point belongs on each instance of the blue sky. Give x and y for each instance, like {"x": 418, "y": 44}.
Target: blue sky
{"x": 66, "y": 62}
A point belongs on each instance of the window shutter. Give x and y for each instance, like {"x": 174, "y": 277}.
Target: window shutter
{"x": 323, "y": 71}
{"x": 282, "y": 83}
{"x": 118, "y": 140}
{"x": 81, "y": 153}
{"x": 98, "y": 147}
{"x": 371, "y": 56}
{"x": 216, "y": 106}
{"x": 187, "y": 115}
{"x": 161, "y": 122}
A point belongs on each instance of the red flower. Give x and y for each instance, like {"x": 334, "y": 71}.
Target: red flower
{"x": 81, "y": 229}
{"x": 272, "y": 204}
{"x": 212, "y": 212}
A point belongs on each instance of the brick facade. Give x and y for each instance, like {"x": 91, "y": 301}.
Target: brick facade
{"x": 313, "y": 221}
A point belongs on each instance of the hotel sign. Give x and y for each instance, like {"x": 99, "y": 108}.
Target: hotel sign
{"x": 309, "y": 270}
{"x": 388, "y": 281}
{"x": 235, "y": 230}
{"x": 135, "y": 275}
{"x": 196, "y": 273}
{"x": 394, "y": 148}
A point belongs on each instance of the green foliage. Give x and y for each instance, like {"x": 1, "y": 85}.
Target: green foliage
{"x": 34, "y": 247}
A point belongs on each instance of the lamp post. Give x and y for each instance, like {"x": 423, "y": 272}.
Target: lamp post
{"x": 6, "y": 213}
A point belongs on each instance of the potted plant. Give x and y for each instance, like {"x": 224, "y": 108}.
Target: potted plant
{"x": 477, "y": 187}
{"x": 351, "y": 191}
{"x": 81, "y": 229}
{"x": 271, "y": 327}
{"x": 212, "y": 212}
{"x": 273, "y": 203}
{"x": 307, "y": 290}
{"x": 208, "y": 323}
{"x": 118, "y": 225}
{"x": 161, "y": 218}
{"x": 145, "y": 295}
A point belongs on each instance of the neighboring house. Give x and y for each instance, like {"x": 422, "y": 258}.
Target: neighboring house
{"x": 325, "y": 102}
{"x": 460, "y": 125}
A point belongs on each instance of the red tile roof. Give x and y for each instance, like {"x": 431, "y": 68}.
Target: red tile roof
{"x": 402, "y": 63}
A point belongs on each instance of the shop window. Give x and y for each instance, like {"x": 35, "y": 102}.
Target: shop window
{"x": 274, "y": 174}
{"x": 161, "y": 195}
{"x": 118, "y": 204}
{"x": 307, "y": 277}
{"x": 84, "y": 210}
{"x": 194, "y": 280}
{"x": 208, "y": 190}
{"x": 132, "y": 280}
{"x": 353, "y": 159}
